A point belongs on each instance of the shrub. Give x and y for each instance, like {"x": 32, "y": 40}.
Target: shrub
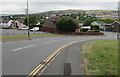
{"x": 66, "y": 24}
{"x": 83, "y": 30}
{"x": 93, "y": 30}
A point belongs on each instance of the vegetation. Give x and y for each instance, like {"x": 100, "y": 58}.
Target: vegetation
{"x": 66, "y": 24}
{"x": 107, "y": 20}
{"x": 74, "y": 16}
{"x": 32, "y": 19}
{"x": 100, "y": 57}
{"x": 83, "y": 30}
{"x": 24, "y": 36}
{"x": 85, "y": 19}
{"x": 94, "y": 27}
{"x": 87, "y": 22}
{"x": 93, "y": 30}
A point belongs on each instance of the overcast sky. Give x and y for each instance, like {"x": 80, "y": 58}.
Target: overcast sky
{"x": 19, "y": 6}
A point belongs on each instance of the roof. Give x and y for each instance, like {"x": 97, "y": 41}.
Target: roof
{"x": 48, "y": 22}
{"x": 116, "y": 22}
{"x": 21, "y": 20}
{"x": 4, "y": 21}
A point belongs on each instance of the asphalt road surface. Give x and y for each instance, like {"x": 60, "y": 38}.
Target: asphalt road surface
{"x": 20, "y": 58}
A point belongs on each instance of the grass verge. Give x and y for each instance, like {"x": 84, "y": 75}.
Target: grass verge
{"x": 100, "y": 57}
{"x": 25, "y": 36}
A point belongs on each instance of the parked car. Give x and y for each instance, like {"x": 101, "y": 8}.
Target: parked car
{"x": 24, "y": 28}
{"x": 35, "y": 29}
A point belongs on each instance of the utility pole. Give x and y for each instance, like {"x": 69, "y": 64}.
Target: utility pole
{"x": 28, "y": 21}
{"x": 118, "y": 27}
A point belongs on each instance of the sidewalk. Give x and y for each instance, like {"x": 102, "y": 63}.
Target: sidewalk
{"x": 67, "y": 62}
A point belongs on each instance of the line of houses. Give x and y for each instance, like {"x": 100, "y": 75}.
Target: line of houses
{"x": 113, "y": 27}
{"x": 50, "y": 24}
{"x": 11, "y": 24}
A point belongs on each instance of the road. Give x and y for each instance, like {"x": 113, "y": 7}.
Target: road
{"x": 20, "y": 58}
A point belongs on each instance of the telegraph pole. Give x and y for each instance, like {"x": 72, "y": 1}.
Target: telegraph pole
{"x": 118, "y": 27}
{"x": 28, "y": 22}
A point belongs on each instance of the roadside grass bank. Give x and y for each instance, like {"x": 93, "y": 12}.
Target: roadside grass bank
{"x": 25, "y": 36}
{"x": 100, "y": 57}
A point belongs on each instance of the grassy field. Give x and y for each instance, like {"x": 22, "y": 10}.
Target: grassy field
{"x": 25, "y": 36}
{"x": 100, "y": 57}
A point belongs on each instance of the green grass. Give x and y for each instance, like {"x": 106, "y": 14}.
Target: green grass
{"x": 100, "y": 57}
{"x": 25, "y": 36}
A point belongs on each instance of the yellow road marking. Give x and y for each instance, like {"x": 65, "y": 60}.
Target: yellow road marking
{"x": 40, "y": 66}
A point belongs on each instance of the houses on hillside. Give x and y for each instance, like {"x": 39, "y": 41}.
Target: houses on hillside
{"x": 50, "y": 25}
{"x": 113, "y": 27}
{"x": 11, "y": 24}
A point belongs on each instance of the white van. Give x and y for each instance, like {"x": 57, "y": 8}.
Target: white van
{"x": 35, "y": 29}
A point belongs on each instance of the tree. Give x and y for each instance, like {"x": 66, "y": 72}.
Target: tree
{"x": 87, "y": 22}
{"x": 66, "y": 24}
{"x": 33, "y": 19}
{"x": 42, "y": 21}
{"x": 74, "y": 16}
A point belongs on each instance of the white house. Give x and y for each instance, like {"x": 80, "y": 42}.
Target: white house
{"x": 11, "y": 24}
{"x": 6, "y": 23}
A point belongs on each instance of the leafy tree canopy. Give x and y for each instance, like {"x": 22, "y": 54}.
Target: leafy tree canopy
{"x": 66, "y": 24}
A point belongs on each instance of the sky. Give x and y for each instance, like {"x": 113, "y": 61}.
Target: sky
{"x": 19, "y": 6}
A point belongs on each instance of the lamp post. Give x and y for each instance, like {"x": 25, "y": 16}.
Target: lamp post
{"x": 28, "y": 22}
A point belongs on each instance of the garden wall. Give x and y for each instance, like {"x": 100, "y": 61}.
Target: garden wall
{"x": 69, "y": 33}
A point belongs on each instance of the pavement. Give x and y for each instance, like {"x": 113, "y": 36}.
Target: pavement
{"x": 67, "y": 62}
{"x": 20, "y": 58}
{"x": 7, "y": 32}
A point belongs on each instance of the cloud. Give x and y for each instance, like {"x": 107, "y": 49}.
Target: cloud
{"x": 59, "y": 0}
{"x": 34, "y": 7}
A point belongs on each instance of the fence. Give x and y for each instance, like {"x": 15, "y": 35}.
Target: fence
{"x": 24, "y": 33}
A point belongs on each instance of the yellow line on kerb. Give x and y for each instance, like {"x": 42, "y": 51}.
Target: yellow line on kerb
{"x": 47, "y": 60}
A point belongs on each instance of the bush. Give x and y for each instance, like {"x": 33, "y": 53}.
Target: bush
{"x": 93, "y": 30}
{"x": 83, "y": 30}
{"x": 96, "y": 30}
{"x": 94, "y": 27}
{"x": 66, "y": 24}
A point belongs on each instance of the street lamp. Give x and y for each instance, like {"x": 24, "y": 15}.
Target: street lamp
{"x": 28, "y": 22}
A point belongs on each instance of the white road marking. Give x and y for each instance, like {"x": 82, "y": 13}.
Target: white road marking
{"x": 23, "y": 47}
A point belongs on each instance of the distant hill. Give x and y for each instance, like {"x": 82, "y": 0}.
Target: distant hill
{"x": 48, "y": 13}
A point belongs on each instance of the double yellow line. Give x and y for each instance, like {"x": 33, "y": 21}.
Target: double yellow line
{"x": 47, "y": 60}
